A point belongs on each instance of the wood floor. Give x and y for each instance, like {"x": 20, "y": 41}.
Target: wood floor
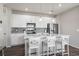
{"x": 15, "y": 51}
{"x": 19, "y": 51}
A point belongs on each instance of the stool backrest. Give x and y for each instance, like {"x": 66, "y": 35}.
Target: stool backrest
{"x": 34, "y": 42}
{"x": 51, "y": 40}
{"x": 59, "y": 38}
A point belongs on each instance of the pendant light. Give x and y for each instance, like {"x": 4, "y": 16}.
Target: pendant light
{"x": 54, "y": 20}
{"x": 40, "y": 12}
{"x": 40, "y": 19}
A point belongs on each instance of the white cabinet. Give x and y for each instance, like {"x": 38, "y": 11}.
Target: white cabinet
{"x": 43, "y": 23}
{"x": 17, "y": 39}
{"x": 19, "y": 20}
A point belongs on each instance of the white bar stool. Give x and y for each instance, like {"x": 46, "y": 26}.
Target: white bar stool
{"x": 66, "y": 43}
{"x": 34, "y": 46}
{"x": 62, "y": 40}
{"x": 51, "y": 45}
{"x": 44, "y": 50}
{"x": 59, "y": 44}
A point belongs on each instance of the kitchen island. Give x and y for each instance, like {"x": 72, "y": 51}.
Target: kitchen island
{"x": 45, "y": 44}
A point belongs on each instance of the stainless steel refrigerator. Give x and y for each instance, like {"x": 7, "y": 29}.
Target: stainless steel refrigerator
{"x": 52, "y": 28}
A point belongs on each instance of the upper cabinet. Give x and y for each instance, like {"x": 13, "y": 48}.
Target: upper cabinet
{"x": 19, "y": 20}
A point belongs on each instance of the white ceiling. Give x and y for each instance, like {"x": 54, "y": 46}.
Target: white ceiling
{"x": 44, "y": 8}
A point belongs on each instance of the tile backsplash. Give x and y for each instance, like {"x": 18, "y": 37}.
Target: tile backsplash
{"x": 17, "y": 29}
{"x": 21, "y": 30}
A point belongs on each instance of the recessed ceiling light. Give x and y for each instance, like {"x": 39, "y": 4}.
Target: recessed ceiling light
{"x": 59, "y": 5}
{"x": 26, "y": 9}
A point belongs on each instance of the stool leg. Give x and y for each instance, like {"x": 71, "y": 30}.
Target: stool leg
{"x": 55, "y": 49}
{"x": 68, "y": 49}
{"x": 62, "y": 49}
{"x": 2, "y": 52}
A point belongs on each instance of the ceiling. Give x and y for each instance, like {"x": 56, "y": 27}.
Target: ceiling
{"x": 44, "y": 8}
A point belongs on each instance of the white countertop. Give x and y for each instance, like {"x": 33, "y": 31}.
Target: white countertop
{"x": 42, "y": 35}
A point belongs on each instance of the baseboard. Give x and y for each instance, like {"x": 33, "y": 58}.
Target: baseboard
{"x": 74, "y": 47}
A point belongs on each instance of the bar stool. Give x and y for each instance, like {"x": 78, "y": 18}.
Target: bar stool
{"x": 51, "y": 45}
{"x": 66, "y": 43}
{"x": 34, "y": 46}
{"x": 44, "y": 45}
{"x": 59, "y": 45}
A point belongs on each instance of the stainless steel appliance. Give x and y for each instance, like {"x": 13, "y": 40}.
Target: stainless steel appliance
{"x": 52, "y": 28}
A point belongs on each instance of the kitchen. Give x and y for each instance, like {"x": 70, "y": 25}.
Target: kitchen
{"x": 31, "y": 21}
